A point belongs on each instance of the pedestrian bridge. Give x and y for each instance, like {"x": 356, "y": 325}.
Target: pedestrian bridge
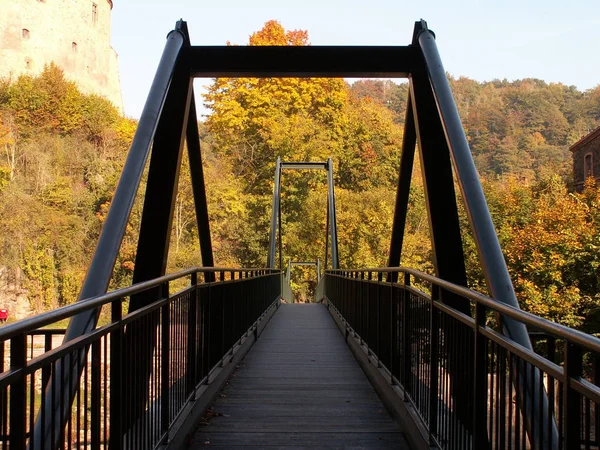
{"x": 221, "y": 357}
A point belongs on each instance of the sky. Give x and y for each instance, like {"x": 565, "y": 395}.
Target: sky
{"x": 556, "y": 41}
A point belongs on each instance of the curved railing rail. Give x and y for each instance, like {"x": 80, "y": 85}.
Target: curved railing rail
{"x": 463, "y": 376}
{"x": 122, "y": 401}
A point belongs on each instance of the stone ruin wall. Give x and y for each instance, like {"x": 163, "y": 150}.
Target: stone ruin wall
{"x": 74, "y": 34}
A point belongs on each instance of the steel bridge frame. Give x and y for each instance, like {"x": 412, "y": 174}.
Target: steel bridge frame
{"x": 316, "y": 264}
{"x": 331, "y": 227}
{"x": 169, "y": 118}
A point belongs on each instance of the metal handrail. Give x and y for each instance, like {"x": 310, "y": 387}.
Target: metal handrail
{"x": 27, "y": 325}
{"x": 575, "y": 336}
{"x": 187, "y": 314}
{"x": 552, "y": 396}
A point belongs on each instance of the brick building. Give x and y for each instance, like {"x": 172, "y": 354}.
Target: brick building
{"x": 586, "y": 158}
{"x": 74, "y": 34}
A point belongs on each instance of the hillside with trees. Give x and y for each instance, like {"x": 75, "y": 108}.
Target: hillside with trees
{"x": 521, "y": 128}
{"x": 62, "y": 152}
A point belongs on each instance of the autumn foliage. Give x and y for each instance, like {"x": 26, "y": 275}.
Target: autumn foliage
{"x": 61, "y": 153}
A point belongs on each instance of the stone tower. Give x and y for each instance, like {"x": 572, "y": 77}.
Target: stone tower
{"x": 74, "y": 34}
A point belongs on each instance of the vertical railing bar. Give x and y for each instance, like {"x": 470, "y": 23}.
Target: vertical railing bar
{"x": 116, "y": 347}
{"x": 377, "y": 343}
{"x": 164, "y": 364}
{"x": 596, "y": 374}
{"x": 31, "y": 401}
{"x": 105, "y": 390}
{"x": 191, "y": 335}
{"x": 510, "y": 396}
{"x": 407, "y": 357}
{"x": 95, "y": 400}
{"x": 572, "y": 399}
{"x": 492, "y": 416}
{"x": 53, "y": 402}
{"x": 587, "y": 423}
{"x": 540, "y": 398}
{"x": 502, "y": 411}
{"x": 394, "y": 328}
{"x": 433, "y": 365}
{"x": 18, "y": 393}
{"x": 72, "y": 383}
{"x": 480, "y": 393}
{"x": 517, "y": 371}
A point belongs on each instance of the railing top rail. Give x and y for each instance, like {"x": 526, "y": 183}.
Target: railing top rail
{"x": 41, "y": 320}
{"x": 575, "y": 336}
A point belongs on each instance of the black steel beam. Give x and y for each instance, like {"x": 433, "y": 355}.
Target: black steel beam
{"x": 198, "y": 186}
{"x": 161, "y": 189}
{"x": 403, "y": 191}
{"x": 155, "y": 235}
{"x": 490, "y": 254}
{"x": 103, "y": 261}
{"x": 304, "y": 165}
{"x": 275, "y": 215}
{"x": 327, "y": 235}
{"x": 448, "y": 256}
{"x": 331, "y": 216}
{"x": 113, "y": 230}
{"x": 276, "y": 211}
{"x": 280, "y": 232}
{"x": 307, "y": 61}
{"x": 444, "y": 226}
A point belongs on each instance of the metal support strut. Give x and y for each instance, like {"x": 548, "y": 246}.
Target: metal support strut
{"x": 102, "y": 264}
{"x": 490, "y": 254}
{"x": 276, "y": 210}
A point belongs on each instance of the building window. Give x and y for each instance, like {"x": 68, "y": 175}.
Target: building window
{"x": 74, "y": 47}
{"x": 588, "y": 166}
{"x": 94, "y": 13}
{"x": 25, "y": 33}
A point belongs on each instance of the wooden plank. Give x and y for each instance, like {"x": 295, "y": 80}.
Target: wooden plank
{"x": 300, "y": 409}
{"x": 377, "y": 440}
{"x": 299, "y": 387}
{"x": 299, "y": 424}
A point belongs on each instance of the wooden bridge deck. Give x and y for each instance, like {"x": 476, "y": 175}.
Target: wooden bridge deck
{"x": 299, "y": 387}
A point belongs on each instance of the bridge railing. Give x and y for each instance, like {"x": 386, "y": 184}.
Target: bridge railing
{"x": 464, "y": 378}
{"x": 140, "y": 370}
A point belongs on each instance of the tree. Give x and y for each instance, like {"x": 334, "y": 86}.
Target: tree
{"x": 254, "y": 120}
{"x": 8, "y": 141}
{"x": 550, "y": 240}
{"x": 61, "y": 153}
